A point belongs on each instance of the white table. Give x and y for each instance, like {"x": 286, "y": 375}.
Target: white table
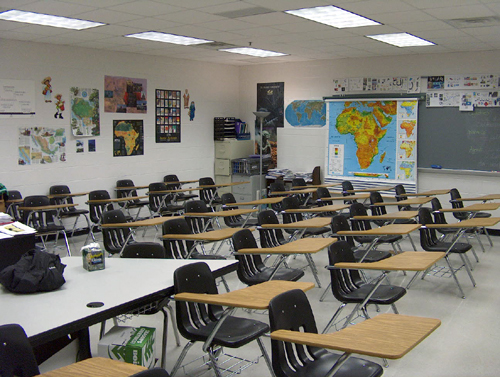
{"x": 124, "y": 285}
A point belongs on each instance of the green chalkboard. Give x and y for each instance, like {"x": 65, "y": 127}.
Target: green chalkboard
{"x": 459, "y": 139}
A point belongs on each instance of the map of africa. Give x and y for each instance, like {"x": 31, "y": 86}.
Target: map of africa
{"x": 306, "y": 113}
{"x": 85, "y": 112}
{"x": 365, "y": 129}
{"x": 128, "y": 137}
{"x": 373, "y": 139}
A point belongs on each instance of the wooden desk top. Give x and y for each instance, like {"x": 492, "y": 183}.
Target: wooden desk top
{"x": 212, "y": 236}
{"x": 233, "y": 212}
{"x": 480, "y": 198}
{"x": 223, "y": 185}
{"x": 315, "y": 222}
{"x": 147, "y": 222}
{"x": 68, "y": 195}
{"x": 347, "y": 197}
{"x": 126, "y": 188}
{"x": 429, "y": 193}
{"x": 328, "y": 208}
{"x": 10, "y": 201}
{"x": 388, "y": 335}
{"x": 48, "y": 208}
{"x": 406, "y": 202}
{"x": 386, "y": 230}
{"x": 173, "y": 191}
{"x": 253, "y": 297}
{"x": 96, "y": 367}
{"x": 400, "y": 215}
{"x": 325, "y": 185}
{"x": 182, "y": 182}
{"x": 300, "y": 246}
{"x": 373, "y": 189}
{"x": 116, "y": 200}
{"x": 473, "y": 208}
{"x": 257, "y": 202}
{"x": 293, "y": 192}
{"x": 469, "y": 223}
{"x": 406, "y": 261}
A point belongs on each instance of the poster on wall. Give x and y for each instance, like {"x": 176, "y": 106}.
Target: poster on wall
{"x": 41, "y": 145}
{"x": 17, "y": 98}
{"x": 168, "y": 116}
{"x": 85, "y": 120}
{"x": 270, "y": 97}
{"x": 373, "y": 140}
{"x": 128, "y": 137}
{"x": 306, "y": 113}
{"x": 125, "y": 95}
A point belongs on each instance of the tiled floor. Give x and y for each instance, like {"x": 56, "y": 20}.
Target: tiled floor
{"x": 467, "y": 343}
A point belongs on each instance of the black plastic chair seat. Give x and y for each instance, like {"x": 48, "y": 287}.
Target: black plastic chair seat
{"x": 287, "y": 274}
{"x": 354, "y": 367}
{"x": 373, "y": 255}
{"x": 458, "y": 248}
{"x": 239, "y": 223}
{"x": 384, "y": 295}
{"x": 50, "y": 228}
{"x": 198, "y": 255}
{"x": 316, "y": 231}
{"x": 74, "y": 213}
{"x": 234, "y": 332}
{"x": 137, "y": 203}
{"x": 383, "y": 239}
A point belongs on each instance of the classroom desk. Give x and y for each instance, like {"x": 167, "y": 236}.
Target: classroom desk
{"x": 386, "y": 230}
{"x": 46, "y": 316}
{"x": 371, "y": 189}
{"x": 216, "y": 214}
{"x": 13, "y": 248}
{"x": 429, "y": 193}
{"x": 315, "y": 222}
{"x": 306, "y": 246}
{"x": 294, "y": 192}
{"x": 324, "y": 185}
{"x": 258, "y": 202}
{"x": 67, "y": 195}
{"x": 407, "y": 202}
{"x": 346, "y": 198}
{"x": 473, "y": 208}
{"x": 116, "y": 200}
{"x": 96, "y": 367}
{"x": 200, "y": 238}
{"x": 322, "y": 209}
{"x": 483, "y": 198}
{"x": 389, "y": 336}
{"x": 130, "y": 188}
{"x": 223, "y": 185}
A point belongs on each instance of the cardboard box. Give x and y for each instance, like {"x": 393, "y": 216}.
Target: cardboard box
{"x": 134, "y": 345}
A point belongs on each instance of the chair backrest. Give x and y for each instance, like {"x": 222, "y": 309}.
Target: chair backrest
{"x": 376, "y": 197}
{"x": 191, "y": 316}
{"x": 339, "y": 223}
{"x": 177, "y": 249}
{"x": 210, "y": 193}
{"x": 62, "y": 189}
{"x": 13, "y": 208}
{"x": 16, "y": 355}
{"x": 230, "y": 221}
{"x": 439, "y": 217}
{"x": 228, "y": 198}
{"x": 291, "y": 310}
{"x": 455, "y": 194}
{"x": 298, "y": 182}
{"x": 158, "y": 201}
{"x": 124, "y": 193}
{"x": 144, "y": 250}
{"x": 37, "y": 219}
{"x": 291, "y": 202}
{"x": 343, "y": 281}
{"x": 197, "y": 224}
{"x": 358, "y": 209}
{"x": 400, "y": 191}
{"x": 428, "y": 236}
{"x": 96, "y": 209}
{"x": 277, "y": 185}
{"x": 323, "y": 192}
{"x": 168, "y": 179}
{"x": 347, "y": 186}
{"x": 114, "y": 238}
{"x": 251, "y": 264}
{"x": 269, "y": 237}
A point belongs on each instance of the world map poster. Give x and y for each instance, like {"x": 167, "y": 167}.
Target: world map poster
{"x": 374, "y": 139}
{"x": 128, "y": 137}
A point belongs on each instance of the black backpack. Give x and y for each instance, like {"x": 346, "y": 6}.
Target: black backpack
{"x": 36, "y": 271}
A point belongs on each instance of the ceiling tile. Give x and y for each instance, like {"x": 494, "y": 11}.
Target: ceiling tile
{"x": 54, "y": 7}
{"x": 146, "y": 8}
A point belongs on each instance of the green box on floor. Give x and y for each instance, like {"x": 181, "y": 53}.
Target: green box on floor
{"x": 134, "y": 345}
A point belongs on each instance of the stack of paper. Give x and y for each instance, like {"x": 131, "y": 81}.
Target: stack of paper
{"x": 16, "y": 228}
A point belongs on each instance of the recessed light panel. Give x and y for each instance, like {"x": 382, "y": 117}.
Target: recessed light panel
{"x": 47, "y": 20}
{"x": 168, "y": 38}
{"x": 401, "y": 40}
{"x": 333, "y": 16}
{"x": 253, "y": 52}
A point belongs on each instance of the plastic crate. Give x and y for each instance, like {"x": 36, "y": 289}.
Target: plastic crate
{"x": 250, "y": 166}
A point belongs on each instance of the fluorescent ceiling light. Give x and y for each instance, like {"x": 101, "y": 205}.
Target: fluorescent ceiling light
{"x": 47, "y": 20}
{"x": 333, "y": 16}
{"x": 168, "y": 38}
{"x": 401, "y": 40}
{"x": 253, "y": 52}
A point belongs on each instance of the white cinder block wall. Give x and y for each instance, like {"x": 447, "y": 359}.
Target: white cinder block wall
{"x": 303, "y": 149}
{"x": 213, "y": 88}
